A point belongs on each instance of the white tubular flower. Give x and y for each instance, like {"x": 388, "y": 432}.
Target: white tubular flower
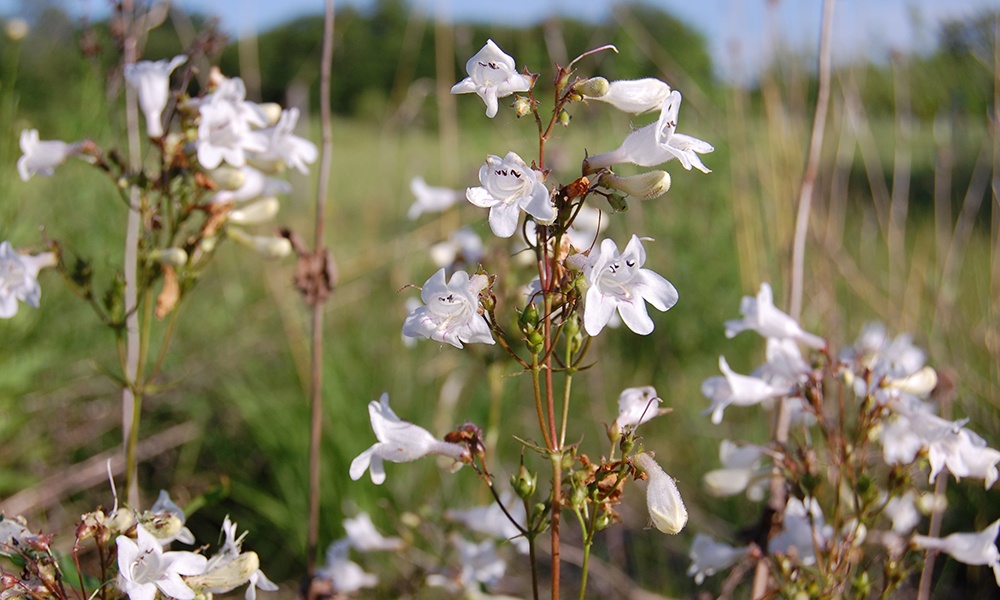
{"x": 346, "y": 576}
{"x": 635, "y": 96}
{"x": 636, "y": 405}
{"x": 431, "y": 199}
{"x": 463, "y": 245}
{"x": 644, "y": 186}
{"x": 451, "y": 311}
{"x": 666, "y": 508}
{"x": 760, "y": 315}
{"x": 492, "y": 75}
{"x": 363, "y": 536}
{"x": 969, "y": 548}
{"x": 509, "y": 186}
{"x": 250, "y": 184}
{"x": 491, "y": 520}
{"x": 741, "y": 472}
{"x": 42, "y": 157}
{"x": 224, "y": 133}
{"x": 261, "y": 211}
{"x": 168, "y": 520}
{"x": 398, "y": 441}
{"x": 656, "y": 144}
{"x": 19, "y": 278}
{"x": 144, "y": 568}
{"x": 618, "y": 281}
{"x": 803, "y": 529}
{"x": 151, "y": 80}
{"x": 708, "y": 557}
{"x": 740, "y": 390}
{"x": 284, "y": 147}
{"x": 268, "y": 247}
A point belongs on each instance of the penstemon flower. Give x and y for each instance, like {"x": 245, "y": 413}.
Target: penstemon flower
{"x": 144, "y": 568}
{"x": 398, "y": 441}
{"x": 740, "y": 390}
{"x": 19, "y": 278}
{"x": 492, "y": 75}
{"x": 618, "y": 282}
{"x": 284, "y": 148}
{"x": 656, "y": 144}
{"x": 363, "y": 537}
{"x": 636, "y": 405}
{"x": 430, "y": 198}
{"x": 451, "y": 311}
{"x": 346, "y": 576}
{"x": 224, "y": 132}
{"x": 151, "y": 81}
{"x": 635, "y": 96}
{"x": 709, "y": 557}
{"x": 760, "y": 315}
{"x": 42, "y": 157}
{"x": 666, "y": 508}
{"x": 969, "y": 548}
{"x": 509, "y": 186}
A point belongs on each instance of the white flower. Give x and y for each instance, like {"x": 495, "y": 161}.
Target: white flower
{"x": 431, "y": 198}
{"x": 902, "y": 511}
{"x": 801, "y": 530}
{"x": 636, "y": 405}
{"x": 451, "y": 311}
{"x": 152, "y": 82}
{"x": 656, "y": 144}
{"x": 491, "y": 520}
{"x": 261, "y": 211}
{"x": 618, "y": 281}
{"x": 19, "y": 278}
{"x": 363, "y": 536}
{"x": 463, "y": 245}
{"x": 708, "y": 557}
{"x": 969, "y": 548}
{"x": 166, "y": 512}
{"x": 346, "y": 576}
{"x": 268, "y": 247}
{"x": 224, "y": 132}
{"x": 760, "y": 315}
{"x": 509, "y": 186}
{"x": 231, "y": 568}
{"x": 480, "y": 563}
{"x": 252, "y": 184}
{"x": 285, "y": 148}
{"x": 42, "y": 157}
{"x": 741, "y": 471}
{"x": 144, "y": 568}
{"x": 666, "y": 508}
{"x": 398, "y": 441}
{"x": 741, "y": 390}
{"x": 636, "y": 95}
{"x": 492, "y": 75}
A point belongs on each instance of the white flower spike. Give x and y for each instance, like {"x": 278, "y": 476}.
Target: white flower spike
{"x": 151, "y": 80}
{"x": 451, "y": 311}
{"x": 144, "y": 568}
{"x": 618, "y": 282}
{"x": 19, "y": 278}
{"x": 492, "y": 75}
{"x": 666, "y": 508}
{"x": 760, "y": 315}
{"x": 398, "y": 441}
{"x": 42, "y": 157}
{"x": 509, "y": 186}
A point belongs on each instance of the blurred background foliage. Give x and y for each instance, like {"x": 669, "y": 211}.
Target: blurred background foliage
{"x": 906, "y": 230}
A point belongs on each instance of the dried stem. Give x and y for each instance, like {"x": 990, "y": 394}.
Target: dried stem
{"x": 316, "y": 429}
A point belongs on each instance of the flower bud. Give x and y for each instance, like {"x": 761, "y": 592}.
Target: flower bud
{"x": 666, "y": 508}
{"x": 260, "y": 211}
{"x": 920, "y": 383}
{"x": 272, "y": 112}
{"x": 536, "y": 343}
{"x": 120, "y": 521}
{"x": 524, "y": 483}
{"x": 603, "y": 520}
{"x": 578, "y": 497}
{"x": 564, "y": 118}
{"x": 174, "y": 257}
{"x": 229, "y": 178}
{"x": 618, "y": 203}
{"x": 529, "y": 319}
{"x": 595, "y": 87}
{"x": 268, "y": 247}
{"x": 644, "y": 186}
{"x": 164, "y": 526}
{"x": 522, "y": 106}
{"x": 228, "y": 575}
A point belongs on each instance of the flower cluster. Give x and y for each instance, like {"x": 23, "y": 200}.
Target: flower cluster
{"x": 880, "y": 505}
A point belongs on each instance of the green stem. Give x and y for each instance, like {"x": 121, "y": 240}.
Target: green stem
{"x": 536, "y": 385}
{"x": 531, "y": 550}
{"x": 556, "y": 513}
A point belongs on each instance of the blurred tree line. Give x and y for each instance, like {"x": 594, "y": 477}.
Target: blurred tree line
{"x": 383, "y": 52}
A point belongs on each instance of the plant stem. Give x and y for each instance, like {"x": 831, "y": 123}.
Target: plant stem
{"x": 556, "y": 512}
{"x": 319, "y": 253}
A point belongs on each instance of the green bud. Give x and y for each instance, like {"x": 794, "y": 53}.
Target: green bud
{"x": 595, "y": 87}
{"x": 522, "y": 106}
{"x": 602, "y": 521}
{"x": 535, "y": 342}
{"x": 644, "y": 186}
{"x": 618, "y": 203}
{"x": 229, "y": 178}
{"x": 528, "y": 319}
{"x": 564, "y": 118}
{"x": 627, "y": 443}
{"x": 174, "y": 257}
{"x": 524, "y": 483}
{"x": 578, "y": 497}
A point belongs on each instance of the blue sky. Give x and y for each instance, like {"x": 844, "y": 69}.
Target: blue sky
{"x": 742, "y": 33}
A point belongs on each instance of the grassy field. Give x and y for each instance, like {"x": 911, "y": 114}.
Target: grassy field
{"x": 238, "y": 370}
